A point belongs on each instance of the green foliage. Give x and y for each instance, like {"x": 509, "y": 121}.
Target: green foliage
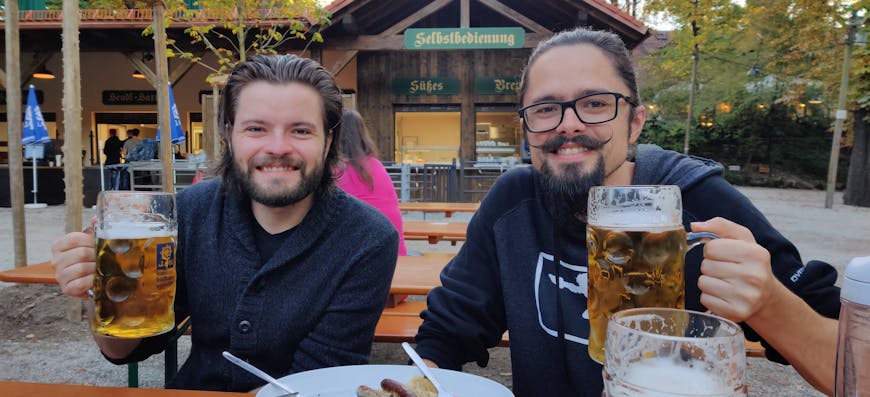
{"x": 234, "y": 30}
{"x": 797, "y": 49}
{"x": 85, "y": 4}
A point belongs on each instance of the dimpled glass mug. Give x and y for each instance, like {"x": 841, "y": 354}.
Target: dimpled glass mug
{"x": 134, "y": 283}
{"x": 637, "y": 246}
{"x": 658, "y": 352}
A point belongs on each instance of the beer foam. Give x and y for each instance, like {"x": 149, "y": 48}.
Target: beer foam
{"x": 662, "y": 377}
{"x": 636, "y": 220}
{"x": 134, "y": 230}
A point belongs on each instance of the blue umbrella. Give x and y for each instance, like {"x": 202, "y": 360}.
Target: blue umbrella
{"x": 34, "y": 124}
{"x": 176, "y": 132}
{"x": 34, "y": 133}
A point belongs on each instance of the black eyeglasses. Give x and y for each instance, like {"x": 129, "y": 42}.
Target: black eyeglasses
{"x": 594, "y": 108}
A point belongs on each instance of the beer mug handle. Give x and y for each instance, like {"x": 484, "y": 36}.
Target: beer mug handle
{"x": 696, "y": 238}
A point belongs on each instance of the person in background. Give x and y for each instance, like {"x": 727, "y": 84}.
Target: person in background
{"x": 131, "y": 142}
{"x": 582, "y": 115}
{"x": 274, "y": 263}
{"x": 177, "y": 153}
{"x": 112, "y": 148}
{"x": 361, "y": 174}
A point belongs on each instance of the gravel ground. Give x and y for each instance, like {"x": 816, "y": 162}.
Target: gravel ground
{"x": 38, "y": 344}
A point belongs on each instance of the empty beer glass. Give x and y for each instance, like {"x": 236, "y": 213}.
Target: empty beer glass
{"x": 657, "y": 352}
{"x": 636, "y": 245}
{"x": 134, "y": 284}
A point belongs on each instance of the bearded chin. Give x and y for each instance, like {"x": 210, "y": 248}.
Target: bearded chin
{"x": 275, "y": 195}
{"x": 568, "y": 194}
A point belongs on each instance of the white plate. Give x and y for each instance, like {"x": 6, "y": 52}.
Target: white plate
{"x": 343, "y": 381}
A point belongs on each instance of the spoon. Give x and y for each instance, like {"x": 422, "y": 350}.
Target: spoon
{"x": 260, "y": 374}
{"x": 425, "y": 369}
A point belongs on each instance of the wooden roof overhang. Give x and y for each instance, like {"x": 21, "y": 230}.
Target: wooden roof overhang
{"x": 378, "y": 25}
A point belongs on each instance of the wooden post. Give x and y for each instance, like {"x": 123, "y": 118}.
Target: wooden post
{"x": 217, "y": 129}
{"x": 72, "y": 127}
{"x": 207, "y": 127}
{"x": 162, "y": 70}
{"x": 72, "y": 117}
{"x": 13, "y": 121}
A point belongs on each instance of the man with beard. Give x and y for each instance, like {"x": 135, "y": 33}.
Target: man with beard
{"x": 523, "y": 267}
{"x": 274, "y": 263}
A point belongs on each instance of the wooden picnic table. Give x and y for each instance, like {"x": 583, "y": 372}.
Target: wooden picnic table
{"x": 40, "y": 273}
{"x": 447, "y": 208}
{"x": 415, "y": 275}
{"x": 27, "y": 389}
{"x": 434, "y": 231}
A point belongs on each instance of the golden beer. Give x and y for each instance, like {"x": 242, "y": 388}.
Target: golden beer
{"x": 134, "y": 284}
{"x": 632, "y": 267}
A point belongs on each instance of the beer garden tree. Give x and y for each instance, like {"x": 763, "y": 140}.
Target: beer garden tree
{"x": 231, "y": 30}
{"x": 767, "y": 82}
{"x": 241, "y": 28}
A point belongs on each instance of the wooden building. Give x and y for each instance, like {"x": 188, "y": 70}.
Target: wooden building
{"x": 437, "y": 80}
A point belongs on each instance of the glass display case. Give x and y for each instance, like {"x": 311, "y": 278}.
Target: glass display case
{"x": 497, "y": 136}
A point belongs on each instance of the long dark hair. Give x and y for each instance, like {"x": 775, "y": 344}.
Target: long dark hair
{"x": 607, "y": 42}
{"x": 356, "y": 144}
{"x": 281, "y": 69}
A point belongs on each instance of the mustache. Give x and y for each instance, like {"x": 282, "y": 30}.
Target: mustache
{"x": 586, "y": 141}
{"x": 286, "y": 161}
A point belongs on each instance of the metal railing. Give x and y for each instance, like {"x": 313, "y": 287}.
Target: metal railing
{"x": 467, "y": 182}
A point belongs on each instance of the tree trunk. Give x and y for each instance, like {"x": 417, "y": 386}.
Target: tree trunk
{"x": 858, "y": 180}
{"x": 13, "y": 112}
{"x": 72, "y": 118}
{"x": 72, "y": 130}
{"x": 161, "y": 69}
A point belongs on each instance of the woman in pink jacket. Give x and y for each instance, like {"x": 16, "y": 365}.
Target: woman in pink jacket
{"x": 362, "y": 175}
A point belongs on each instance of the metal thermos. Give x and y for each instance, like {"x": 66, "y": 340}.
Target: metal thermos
{"x": 852, "y": 378}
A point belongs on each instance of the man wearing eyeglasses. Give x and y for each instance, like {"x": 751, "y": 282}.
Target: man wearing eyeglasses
{"x": 523, "y": 268}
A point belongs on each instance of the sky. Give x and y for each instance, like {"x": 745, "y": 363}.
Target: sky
{"x": 662, "y": 23}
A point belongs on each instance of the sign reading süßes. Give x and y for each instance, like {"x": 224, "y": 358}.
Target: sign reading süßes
{"x": 464, "y": 38}
{"x": 130, "y": 97}
{"x": 420, "y": 86}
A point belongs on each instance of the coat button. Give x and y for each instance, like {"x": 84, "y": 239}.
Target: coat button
{"x": 244, "y": 326}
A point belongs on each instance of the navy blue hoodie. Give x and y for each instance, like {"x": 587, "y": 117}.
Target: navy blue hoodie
{"x": 503, "y": 278}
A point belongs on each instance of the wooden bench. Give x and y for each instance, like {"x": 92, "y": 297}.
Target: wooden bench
{"x": 434, "y": 231}
{"x": 447, "y": 208}
{"x": 399, "y": 324}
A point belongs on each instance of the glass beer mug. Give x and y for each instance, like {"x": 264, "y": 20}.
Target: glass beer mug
{"x": 134, "y": 284}
{"x": 636, "y": 245}
{"x": 658, "y": 352}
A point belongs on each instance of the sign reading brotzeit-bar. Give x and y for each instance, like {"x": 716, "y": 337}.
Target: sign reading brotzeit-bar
{"x": 464, "y": 38}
